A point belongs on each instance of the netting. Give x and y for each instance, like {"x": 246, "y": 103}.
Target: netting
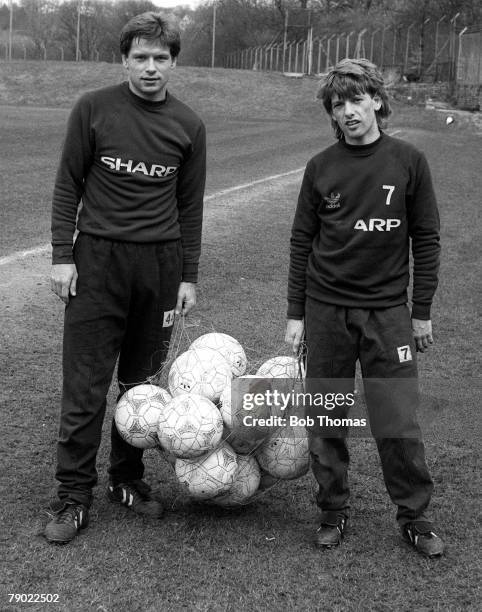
{"x": 263, "y": 455}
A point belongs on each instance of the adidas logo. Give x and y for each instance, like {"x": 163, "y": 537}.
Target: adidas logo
{"x": 332, "y": 201}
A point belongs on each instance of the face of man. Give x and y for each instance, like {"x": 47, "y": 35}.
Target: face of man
{"x": 356, "y": 117}
{"x": 148, "y": 66}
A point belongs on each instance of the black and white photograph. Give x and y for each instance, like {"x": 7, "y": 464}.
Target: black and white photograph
{"x": 240, "y": 280}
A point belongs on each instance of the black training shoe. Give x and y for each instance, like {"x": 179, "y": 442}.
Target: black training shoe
{"x": 330, "y": 533}
{"x": 420, "y": 535}
{"x": 136, "y": 495}
{"x": 66, "y": 523}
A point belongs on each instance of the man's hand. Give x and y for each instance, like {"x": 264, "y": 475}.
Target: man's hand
{"x": 294, "y": 333}
{"x": 422, "y": 332}
{"x": 63, "y": 280}
{"x": 186, "y": 298}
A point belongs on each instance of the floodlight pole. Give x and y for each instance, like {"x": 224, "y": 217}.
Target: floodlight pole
{"x": 285, "y": 39}
{"x": 10, "y": 32}
{"x": 77, "y": 43}
{"x": 213, "y": 46}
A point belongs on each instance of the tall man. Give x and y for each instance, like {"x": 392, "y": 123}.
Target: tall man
{"x": 136, "y": 158}
{"x": 361, "y": 201}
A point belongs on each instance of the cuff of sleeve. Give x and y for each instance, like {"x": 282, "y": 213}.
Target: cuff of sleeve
{"x": 190, "y": 273}
{"x": 296, "y": 310}
{"x": 62, "y": 254}
{"x": 421, "y": 311}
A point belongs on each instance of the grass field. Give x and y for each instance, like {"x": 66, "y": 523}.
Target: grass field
{"x": 260, "y": 557}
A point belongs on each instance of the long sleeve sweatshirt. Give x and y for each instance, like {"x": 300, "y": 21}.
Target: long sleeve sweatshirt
{"x": 357, "y": 210}
{"x": 137, "y": 167}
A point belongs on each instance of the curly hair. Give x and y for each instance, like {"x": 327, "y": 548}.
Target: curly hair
{"x": 153, "y": 27}
{"x": 349, "y": 78}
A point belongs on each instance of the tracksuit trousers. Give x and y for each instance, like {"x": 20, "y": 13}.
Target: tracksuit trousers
{"x": 124, "y": 309}
{"x": 382, "y": 340}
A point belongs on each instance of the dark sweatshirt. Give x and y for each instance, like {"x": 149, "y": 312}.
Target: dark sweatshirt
{"x": 358, "y": 207}
{"x": 139, "y": 168}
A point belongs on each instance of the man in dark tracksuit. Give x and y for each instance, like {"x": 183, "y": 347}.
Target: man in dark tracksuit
{"x": 136, "y": 157}
{"x": 360, "y": 203}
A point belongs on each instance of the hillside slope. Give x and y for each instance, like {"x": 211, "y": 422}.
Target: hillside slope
{"x": 211, "y": 92}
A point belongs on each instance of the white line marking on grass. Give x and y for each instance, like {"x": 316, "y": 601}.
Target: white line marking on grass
{"x": 22, "y": 254}
{"x": 251, "y": 184}
{"x": 18, "y": 255}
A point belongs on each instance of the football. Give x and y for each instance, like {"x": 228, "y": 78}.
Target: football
{"x": 285, "y": 453}
{"x": 245, "y": 484}
{"x": 189, "y": 426}
{"x": 203, "y": 371}
{"x": 137, "y": 414}
{"x": 229, "y": 348}
{"x": 282, "y": 366}
{"x": 210, "y": 474}
{"x": 243, "y": 438}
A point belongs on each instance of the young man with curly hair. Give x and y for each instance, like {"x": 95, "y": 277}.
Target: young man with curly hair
{"x": 363, "y": 202}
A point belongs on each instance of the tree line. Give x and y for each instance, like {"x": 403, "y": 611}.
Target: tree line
{"x": 48, "y": 28}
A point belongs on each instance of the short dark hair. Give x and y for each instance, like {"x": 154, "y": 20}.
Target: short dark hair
{"x": 351, "y": 77}
{"x": 153, "y": 27}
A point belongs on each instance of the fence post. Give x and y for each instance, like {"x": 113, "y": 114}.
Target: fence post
{"x": 394, "y": 49}
{"x": 360, "y": 45}
{"x": 452, "y": 47}
{"x": 459, "y": 54}
{"x": 347, "y": 48}
{"x": 328, "y": 51}
{"x": 383, "y": 46}
{"x": 407, "y": 44}
{"x": 436, "y": 47}
{"x": 371, "y": 43}
{"x": 310, "y": 50}
{"x": 422, "y": 45}
{"x": 337, "y": 56}
{"x": 318, "y": 65}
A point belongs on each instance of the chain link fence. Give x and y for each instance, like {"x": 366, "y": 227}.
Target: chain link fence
{"x": 429, "y": 52}
{"x": 469, "y": 68}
